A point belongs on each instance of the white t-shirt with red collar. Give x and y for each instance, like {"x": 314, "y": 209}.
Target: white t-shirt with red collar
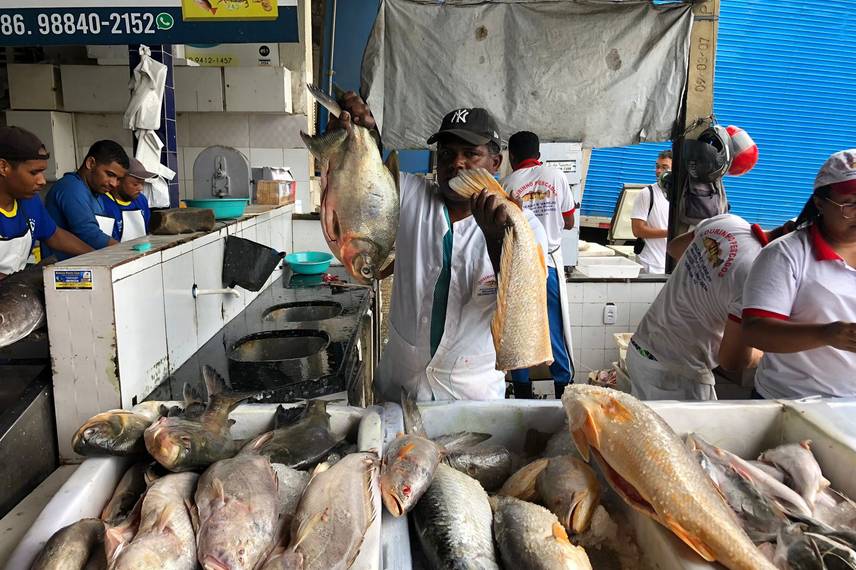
{"x": 544, "y": 191}
{"x": 685, "y": 324}
{"x": 800, "y": 278}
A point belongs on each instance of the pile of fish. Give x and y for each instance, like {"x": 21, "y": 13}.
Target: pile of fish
{"x": 776, "y": 512}
{"x": 208, "y": 501}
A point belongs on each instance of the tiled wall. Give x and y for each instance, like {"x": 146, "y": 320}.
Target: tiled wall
{"x": 594, "y": 346}
{"x": 266, "y": 140}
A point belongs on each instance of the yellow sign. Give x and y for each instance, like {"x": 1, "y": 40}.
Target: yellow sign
{"x": 224, "y": 10}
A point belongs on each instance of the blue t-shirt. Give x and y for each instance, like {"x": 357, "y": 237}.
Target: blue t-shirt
{"x": 114, "y": 209}
{"x": 73, "y": 206}
{"x": 27, "y": 214}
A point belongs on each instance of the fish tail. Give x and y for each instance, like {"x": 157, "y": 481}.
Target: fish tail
{"x": 325, "y": 144}
{"x": 325, "y": 100}
{"x": 214, "y": 383}
{"x": 189, "y": 394}
{"x": 468, "y": 183}
{"x": 412, "y": 416}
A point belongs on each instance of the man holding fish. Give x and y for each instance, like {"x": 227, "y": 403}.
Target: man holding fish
{"x": 449, "y": 249}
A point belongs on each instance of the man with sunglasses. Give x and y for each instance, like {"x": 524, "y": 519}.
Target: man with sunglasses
{"x": 800, "y": 298}
{"x": 447, "y": 254}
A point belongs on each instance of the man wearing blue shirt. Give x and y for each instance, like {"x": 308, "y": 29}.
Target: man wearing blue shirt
{"x": 127, "y": 205}
{"x": 73, "y": 201}
{"x": 23, "y": 218}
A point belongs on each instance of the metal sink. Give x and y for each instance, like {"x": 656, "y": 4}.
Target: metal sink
{"x": 272, "y": 359}
{"x": 279, "y": 345}
{"x": 303, "y": 311}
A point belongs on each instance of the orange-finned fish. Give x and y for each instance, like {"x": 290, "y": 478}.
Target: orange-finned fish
{"x": 521, "y": 332}
{"x": 653, "y": 471}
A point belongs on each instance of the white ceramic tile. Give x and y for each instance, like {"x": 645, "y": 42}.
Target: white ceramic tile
{"x": 182, "y": 129}
{"x": 575, "y": 313}
{"x": 591, "y": 338}
{"x": 227, "y": 129}
{"x": 609, "y": 336}
{"x": 639, "y": 292}
{"x": 595, "y": 292}
{"x": 618, "y": 292}
{"x": 185, "y": 188}
{"x": 576, "y": 334}
{"x": 137, "y": 265}
{"x": 575, "y": 292}
{"x": 274, "y": 130}
{"x": 637, "y": 311}
{"x": 189, "y": 155}
{"x": 592, "y": 359}
{"x": 265, "y": 157}
{"x": 297, "y": 159}
{"x": 622, "y": 314}
{"x": 592, "y": 314}
{"x": 179, "y": 154}
{"x": 175, "y": 251}
{"x": 208, "y": 270}
{"x": 181, "y": 334}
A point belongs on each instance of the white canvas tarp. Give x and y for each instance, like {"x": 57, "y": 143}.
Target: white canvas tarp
{"x": 600, "y": 73}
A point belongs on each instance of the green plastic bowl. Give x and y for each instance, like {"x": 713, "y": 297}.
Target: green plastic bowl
{"x": 224, "y": 208}
{"x": 309, "y": 262}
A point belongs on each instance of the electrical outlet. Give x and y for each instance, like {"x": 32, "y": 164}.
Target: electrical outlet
{"x": 610, "y": 314}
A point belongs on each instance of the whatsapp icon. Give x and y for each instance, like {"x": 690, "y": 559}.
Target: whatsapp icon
{"x": 164, "y": 21}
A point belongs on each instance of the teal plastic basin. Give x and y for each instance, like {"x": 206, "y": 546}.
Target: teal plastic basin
{"x": 224, "y": 208}
{"x": 309, "y": 262}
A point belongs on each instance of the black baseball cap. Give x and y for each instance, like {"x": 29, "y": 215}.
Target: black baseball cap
{"x": 472, "y": 124}
{"x": 20, "y": 144}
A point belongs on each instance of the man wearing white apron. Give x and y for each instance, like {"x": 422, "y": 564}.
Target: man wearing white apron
{"x": 127, "y": 205}
{"x": 544, "y": 191}
{"x": 73, "y": 201}
{"x": 446, "y": 256}
{"x": 23, "y": 218}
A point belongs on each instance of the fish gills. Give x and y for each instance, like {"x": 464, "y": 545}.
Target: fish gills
{"x": 70, "y": 547}
{"x": 165, "y": 540}
{"x": 238, "y": 504}
{"x": 523, "y": 484}
{"x": 408, "y": 469}
{"x": 651, "y": 469}
{"x": 521, "y": 333}
{"x": 569, "y": 488}
{"x": 529, "y": 536}
{"x": 334, "y": 514}
{"x": 453, "y": 521}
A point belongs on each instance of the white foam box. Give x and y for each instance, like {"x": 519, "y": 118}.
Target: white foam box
{"x": 258, "y": 89}
{"x": 91, "y": 486}
{"x": 746, "y": 428}
{"x": 608, "y": 267}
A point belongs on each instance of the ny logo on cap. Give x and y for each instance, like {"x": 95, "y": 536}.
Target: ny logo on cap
{"x": 460, "y": 116}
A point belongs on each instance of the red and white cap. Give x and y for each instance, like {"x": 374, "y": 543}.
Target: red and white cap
{"x": 839, "y": 171}
{"x": 743, "y": 149}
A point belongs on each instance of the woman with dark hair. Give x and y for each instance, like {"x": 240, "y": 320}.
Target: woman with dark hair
{"x": 800, "y": 297}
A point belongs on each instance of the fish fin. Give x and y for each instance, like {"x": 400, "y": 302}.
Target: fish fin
{"x": 560, "y": 534}
{"x": 219, "y": 490}
{"x": 221, "y": 405}
{"x": 114, "y": 543}
{"x": 470, "y": 182}
{"x": 190, "y": 395}
{"x": 461, "y": 440}
{"x": 193, "y": 511}
{"x": 327, "y": 220}
{"x": 806, "y": 444}
{"x": 282, "y": 417}
{"x": 690, "y": 540}
{"x": 306, "y": 528}
{"x": 580, "y": 516}
{"x": 322, "y": 146}
{"x": 616, "y": 411}
{"x": 585, "y": 436}
{"x": 320, "y": 468}
{"x": 257, "y": 443}
{"x": 151, "y": 475}
{"x": 392, "y": 164}
{"x": 214, "y": 383}
{"x": 163, "y": 517}
{"x": 338, "y": 92}
{"x": 325, "y": 100}
{"x": 405, "y": 449}
{"x": 412, "y": 416}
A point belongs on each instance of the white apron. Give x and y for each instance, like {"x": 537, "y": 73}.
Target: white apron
{"x": 556, "y": 256}
{"x": 105, "y": 223}
{"x": 15, "y": 252}
{"x": 654, "y": 380}
{"x": 133, "y": 224}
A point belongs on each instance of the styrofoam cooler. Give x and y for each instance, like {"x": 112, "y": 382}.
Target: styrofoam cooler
{"x": 746, "y": 428}
{"x": 92, "y": 484}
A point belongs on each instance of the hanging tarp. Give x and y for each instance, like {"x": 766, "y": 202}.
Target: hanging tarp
{"x": 601, "y": 73}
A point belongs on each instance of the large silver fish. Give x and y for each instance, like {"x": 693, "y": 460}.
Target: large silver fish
{"x": 529, "y": 536}
{"x": 359, "y": 195}
{"x": 165, "y": 539}
{"x": 21, "y": 308}
{"x": 797, "y": 460}
{"x": 569, "y": 488}
{"x": 238, "y": 507}
{"x": 453, "y": 521}
{"x": 334, "y": 514}
{"x": 182, "y": 443}
{"x": 70, "y": 547}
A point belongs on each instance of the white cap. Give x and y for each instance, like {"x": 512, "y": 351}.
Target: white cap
{"x": 840, "y": 167}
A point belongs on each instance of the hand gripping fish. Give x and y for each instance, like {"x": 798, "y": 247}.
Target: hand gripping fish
{"x": 521, "y": 332}
{"x": 359, "y": 195}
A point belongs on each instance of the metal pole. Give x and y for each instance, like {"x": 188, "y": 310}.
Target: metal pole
{"x": 330, "y": 71}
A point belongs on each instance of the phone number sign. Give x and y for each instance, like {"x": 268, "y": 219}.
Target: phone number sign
{"x": 134, "y": 25}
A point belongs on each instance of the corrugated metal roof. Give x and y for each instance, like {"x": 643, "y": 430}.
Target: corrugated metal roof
{"x": 784, "y": 74}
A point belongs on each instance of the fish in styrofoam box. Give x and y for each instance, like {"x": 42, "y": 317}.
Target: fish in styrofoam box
{"x": 91, "y": 486}
{"x": 746, "y": 428}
